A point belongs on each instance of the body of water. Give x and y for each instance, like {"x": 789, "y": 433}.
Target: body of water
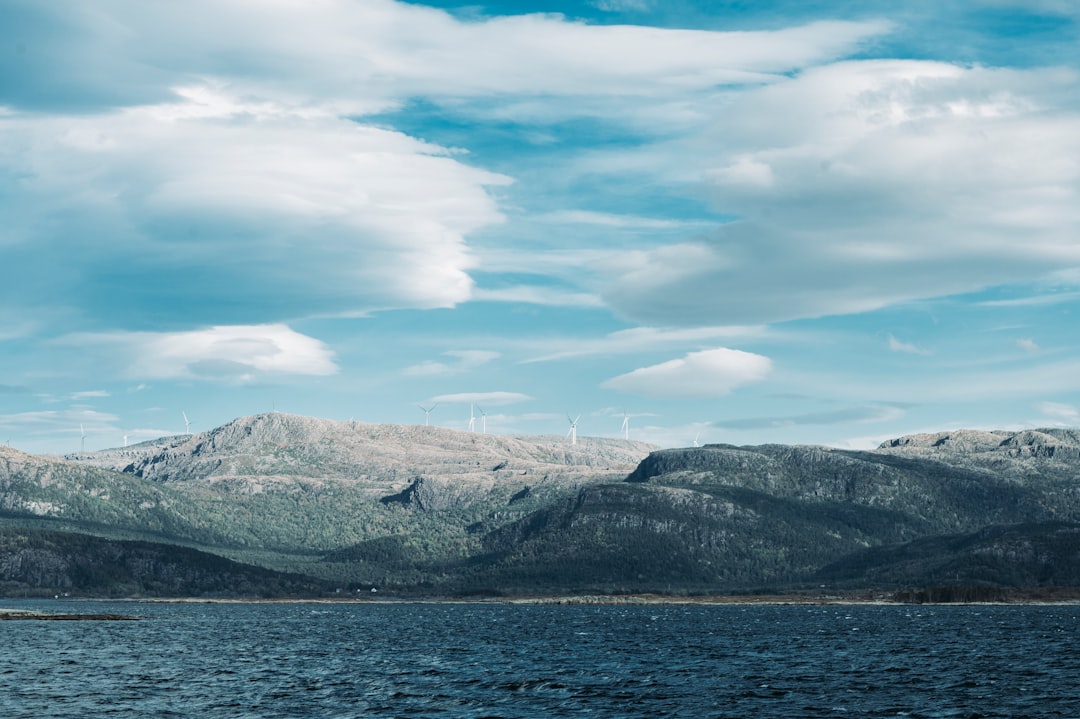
{"x": 480, "y": 660}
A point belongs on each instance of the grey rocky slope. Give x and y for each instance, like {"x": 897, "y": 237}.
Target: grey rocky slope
{"x": 383, "y": 457}
{"x": 283, "y": 490}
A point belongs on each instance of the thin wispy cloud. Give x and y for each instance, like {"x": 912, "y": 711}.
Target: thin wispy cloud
{"x": 851, "y": 415}
{"x": 533, "y": 295}
{"x": 643, "y": 339}
{"x": 89, "y": 394}
{"x": 896, "y": 345}
{"x": 465, "y": 361}
{"x": 622, "y": 5}
{"x": 1060, "y": 413}
{"x": 486, "y": 398}
{"x": 71, "y": 422}
{"x": 605, "y": 219}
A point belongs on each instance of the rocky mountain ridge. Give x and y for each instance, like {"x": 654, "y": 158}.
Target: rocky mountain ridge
{"x": 384, "y": 456}
{"x": 427, "y": 509}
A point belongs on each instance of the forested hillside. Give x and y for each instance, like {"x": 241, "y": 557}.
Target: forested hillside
{"x": 421, "y": 510}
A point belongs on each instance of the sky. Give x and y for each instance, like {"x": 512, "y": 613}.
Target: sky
{"x": 795, "y": 221}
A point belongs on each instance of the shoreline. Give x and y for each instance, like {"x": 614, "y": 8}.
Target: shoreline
{"x": 1068, "y": 596}
{"x": 612, "y": 600}
{"x": 35, "y": 615}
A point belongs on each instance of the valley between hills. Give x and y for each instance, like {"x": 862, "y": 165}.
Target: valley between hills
{"x": 278, "y": 505}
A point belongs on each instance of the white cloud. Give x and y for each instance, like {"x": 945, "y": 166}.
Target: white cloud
{"x": 237, "y": 352}
{"x": 1028, "y": 345}
{"x": 709, "y": 373}
{"x": 536, "y": 295}
{"x": 865, "y": 184}
{"x": 640, "y": 339}
{"x": 65, "y": 421}
{"x": 969, "y": 382}
{"x": 89, "y": 394}
{"x": 1060, "y": 413}
{"x": 485, "y": 398}
{"x": 615, "y": 221}
{"x": 1034, "y": 301}
{"x": 896, "y": 345}
{"x": 466, "y": 360}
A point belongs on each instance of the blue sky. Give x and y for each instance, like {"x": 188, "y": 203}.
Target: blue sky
{"x": 803, "y": 222}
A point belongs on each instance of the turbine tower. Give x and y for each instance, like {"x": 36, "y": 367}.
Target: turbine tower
{"x": 125, "y": 440}
{"x": 82, "y": 438}
{"x": 427, "y": 412}
{"x": 625, "y": 426}
{"x": 696, "y": 439}
{"x": 483, "y": 419}
{"x": 572, "y": 434}
{"x": 472, "y": 417}
{"x": 187, "y": 424}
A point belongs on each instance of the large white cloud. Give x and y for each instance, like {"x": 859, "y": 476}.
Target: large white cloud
{"x": 244, "y": 205}
{"x": 233, "y": 353}
{"x": 864, "y": 184}
{"x": 709, "y": 373}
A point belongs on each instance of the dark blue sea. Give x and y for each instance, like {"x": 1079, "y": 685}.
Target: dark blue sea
{"x": 480, "y": 660}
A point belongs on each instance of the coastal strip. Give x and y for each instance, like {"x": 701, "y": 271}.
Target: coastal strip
{"x": 26, "y": 614}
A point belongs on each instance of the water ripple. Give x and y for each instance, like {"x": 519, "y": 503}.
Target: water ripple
{"x": 350, "y": 661}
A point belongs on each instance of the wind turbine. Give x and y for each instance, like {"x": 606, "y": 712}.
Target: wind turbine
{"x": 696, "y": 439}
{"x": 82, "y": 440}
{"x": 125, "y": 440}
{"x": 572, "y": 434}
{"x": 625, "y": 425}
{"x": 472, "y": 417}
{"x": 427, "y": 412}
{"x": 483, "y": 420}
{"x": 187, "y": 425}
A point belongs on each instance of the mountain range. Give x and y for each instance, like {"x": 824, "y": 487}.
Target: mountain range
{"x": 278, "y": 504}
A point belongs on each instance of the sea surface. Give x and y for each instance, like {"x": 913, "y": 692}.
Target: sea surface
{"x": 496, "y": 660}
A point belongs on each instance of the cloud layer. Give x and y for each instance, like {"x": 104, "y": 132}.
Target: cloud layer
{"x": 860, "y": 185}
{"x": 360, "y": 57}
{"x": 152, "y": 150}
